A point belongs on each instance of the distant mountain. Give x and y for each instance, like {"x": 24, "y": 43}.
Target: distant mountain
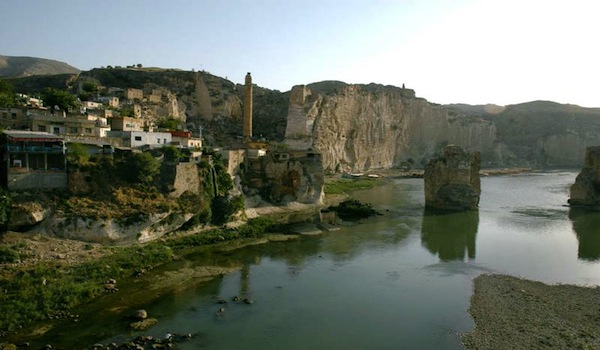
{"x": 13, "y": 67}
{"x": 476, "y": 109}
{"x": 534, "y": 107}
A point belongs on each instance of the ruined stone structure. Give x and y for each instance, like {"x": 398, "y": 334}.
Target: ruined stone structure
{"x": 299, "y": 128}
{"x": 283, "y": 177}
{"x": 586, "y": 190}
{"x": 452, "y": 181}
{"x": 248, "y": 108}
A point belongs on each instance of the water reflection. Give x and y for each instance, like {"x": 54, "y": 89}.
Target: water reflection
{"x": 586, "y": 225}
{"x": 451, "y": 236}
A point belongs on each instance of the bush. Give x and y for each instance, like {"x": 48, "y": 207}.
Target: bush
{"x": 8, "y": 255}
{"x": 171, "y": 153}
{"x": 352, "y": 210}
{"x": 222, "y": 208}
{"x": 5, "y": 204}
{"x": 140, "y": 168}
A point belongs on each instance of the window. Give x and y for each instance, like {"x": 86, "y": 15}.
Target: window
{"x": 42, "y": 128}
{"x": 88, "y": 130}
{"x": 138, "y": 138}
{"x": 14, "y": 115}
{"x": 157, "y": 140}
{"x": 56, "y": 130}
{"x": 165, "y": 141}
{"x": 73, "y": 130}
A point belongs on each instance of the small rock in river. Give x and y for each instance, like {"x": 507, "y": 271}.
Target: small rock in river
{"x": 141, "y": 314}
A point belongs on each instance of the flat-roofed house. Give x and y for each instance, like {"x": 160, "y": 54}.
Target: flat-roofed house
{"x": 32, "y": 160}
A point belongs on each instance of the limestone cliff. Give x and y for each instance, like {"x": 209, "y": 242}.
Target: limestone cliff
{"x": 360, "y": 127}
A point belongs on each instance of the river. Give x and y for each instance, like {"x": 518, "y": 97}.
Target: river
{"x": 398, "y": 281}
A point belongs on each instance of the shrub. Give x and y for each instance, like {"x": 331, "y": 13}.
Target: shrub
{"x": 222, "y": 208}
{"x": 140, "y": 168}
{"x": 354, "y": 210}
{"x": 8, "y": 255}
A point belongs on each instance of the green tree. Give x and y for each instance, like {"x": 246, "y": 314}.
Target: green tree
{"x": 140, "y": 168}
{"x": 90, "y": 87}
{"x": 171, "y": 153}
{"x": 127, "y": 112}
{"x": 7, "y": 95}
{"x": 64, "y": 100}
{"x": 77, "y": 153}
{"x": 169, "y": 123}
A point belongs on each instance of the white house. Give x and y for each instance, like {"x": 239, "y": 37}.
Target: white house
{"x": 136, "y": 139}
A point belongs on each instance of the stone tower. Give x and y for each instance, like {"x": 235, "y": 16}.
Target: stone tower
{"x": 248, "y": 109}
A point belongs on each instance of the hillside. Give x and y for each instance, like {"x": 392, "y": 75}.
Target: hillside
{"x": 356, "y": 127}
{"x": 12, "y": 67}
{"x": 543, "y": 133}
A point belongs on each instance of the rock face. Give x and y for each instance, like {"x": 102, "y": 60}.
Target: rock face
{"x": 586, "y": 190}
{"x": 452, "y": 181}
{"x": 109, "y": 231}
{"x": 360, "y": 127}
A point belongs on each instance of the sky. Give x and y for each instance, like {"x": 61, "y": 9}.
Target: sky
{"x": 448, "y": 51}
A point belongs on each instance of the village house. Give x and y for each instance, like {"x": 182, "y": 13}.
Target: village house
{"x": 184, "y": 139}
{"x": 112, "y": 101}
{"x": 132, "y": 94}
{"x": 126, "y": 124}
{"x": 91, "y": 105}
{"x": 42, "y": 120}
{"x": 142, "y": 139}
{"x": 32, "y": 160}
{"x": 153, "y": 98}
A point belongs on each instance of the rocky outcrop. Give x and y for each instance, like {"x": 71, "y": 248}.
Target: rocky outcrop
{"x": 107, "y": 231}
{"x": 586, "y": 189}
{"x": 452, "y": 181}
{"x": 360, "y": 127}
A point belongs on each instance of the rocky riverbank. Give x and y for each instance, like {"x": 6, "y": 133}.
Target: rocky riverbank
{"x": 513, "y": 313}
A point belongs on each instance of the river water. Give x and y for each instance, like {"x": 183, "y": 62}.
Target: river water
{"x": 398, "y": 281}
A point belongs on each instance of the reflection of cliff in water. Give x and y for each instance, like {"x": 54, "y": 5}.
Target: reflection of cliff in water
{"x": 451, "y": 236}
{"x": 586, "y": 225}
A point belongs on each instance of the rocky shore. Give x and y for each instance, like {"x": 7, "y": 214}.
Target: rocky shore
{"x": 513, "y": 313}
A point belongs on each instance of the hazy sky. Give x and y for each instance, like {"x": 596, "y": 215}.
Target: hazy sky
{"x": 469, "y": 51}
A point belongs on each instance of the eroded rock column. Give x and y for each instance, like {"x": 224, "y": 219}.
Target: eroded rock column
{"x": 586, "y": 190}
{"x": 452, "y": 181}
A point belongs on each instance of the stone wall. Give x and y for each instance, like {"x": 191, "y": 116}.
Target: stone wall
{"x": 284, "y": 177}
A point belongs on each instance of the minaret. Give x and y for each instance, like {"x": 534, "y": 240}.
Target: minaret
{"x": 248, "y": 109}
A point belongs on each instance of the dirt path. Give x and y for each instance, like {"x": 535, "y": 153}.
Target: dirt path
{"x": 513, "y": 313}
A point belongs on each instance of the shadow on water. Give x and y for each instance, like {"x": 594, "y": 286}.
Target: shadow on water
{"x": 450, "y": 235}
{"x": 586, "y": 224}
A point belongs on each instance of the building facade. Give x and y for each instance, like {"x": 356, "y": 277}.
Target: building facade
{"x": 32, "y": 160}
